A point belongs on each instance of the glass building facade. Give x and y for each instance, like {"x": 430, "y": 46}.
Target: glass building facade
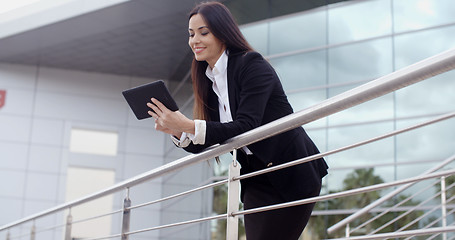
{"x": 327, "y": 50}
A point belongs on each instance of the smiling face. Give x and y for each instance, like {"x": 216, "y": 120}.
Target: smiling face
{"x": 205, "y": 46}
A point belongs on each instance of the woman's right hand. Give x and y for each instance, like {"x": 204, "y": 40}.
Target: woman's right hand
{"x": 168, "y": 121}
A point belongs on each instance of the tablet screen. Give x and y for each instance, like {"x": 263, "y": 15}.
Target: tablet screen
{"x": 138, "y": 97}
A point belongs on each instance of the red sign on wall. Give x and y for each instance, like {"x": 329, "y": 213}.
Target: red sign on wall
{"x": 2, "y": 98}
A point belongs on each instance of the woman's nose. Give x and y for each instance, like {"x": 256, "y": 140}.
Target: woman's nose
{"x": 195, "y": 38}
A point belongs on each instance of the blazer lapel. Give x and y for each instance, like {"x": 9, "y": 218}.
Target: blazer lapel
{"x": 232, "y": 85}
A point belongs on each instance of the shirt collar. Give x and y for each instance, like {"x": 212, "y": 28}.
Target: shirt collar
{"x": 219, "y": 68}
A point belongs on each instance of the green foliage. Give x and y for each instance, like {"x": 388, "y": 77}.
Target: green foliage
{"x": 360, "y": 178}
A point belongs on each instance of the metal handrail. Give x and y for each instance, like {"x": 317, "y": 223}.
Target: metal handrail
{"x": 401, "y": 234}
{"x": 424, "y": 215}
{"x": 294, "y": 203}
{"x": 382, "y": 213}
{"x": 298, "y": 202}
{"x": 323, "y": 154}
{"x": 409, "y": 75}
{"x": 346, "y": 193}
{"x": 381, "y": 200}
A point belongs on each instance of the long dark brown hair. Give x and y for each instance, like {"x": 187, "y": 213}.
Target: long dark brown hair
{"x": 223, "y": 26}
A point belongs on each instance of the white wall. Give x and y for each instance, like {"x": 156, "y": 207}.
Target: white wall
{"x": 42, "y": 106}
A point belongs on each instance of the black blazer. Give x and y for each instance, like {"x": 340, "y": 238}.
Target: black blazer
{"x": 256, "y": 97}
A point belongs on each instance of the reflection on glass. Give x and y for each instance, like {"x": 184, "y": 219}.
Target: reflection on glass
{"x": 414, "y": 47}
{"x": 256, "y": 35}
{"x": 433, "y": 95}
{"x": 373, "y": 153}
{"x": 433, "y": 142}
{"x": 335, "y": 180}
{"x": 306, "y": 76}
{"x": 362, "y": 20}
{"x": 418, "y": 14}
{"x": 360, "y": 61}
{"x": 380, "y": 108}
{"x": 305, "y": 99}
{"x": 319, "y": 137}
{"x": 301, "y": 71}
{"x": 367, "y": 156}
{"x": 298, "y": 32}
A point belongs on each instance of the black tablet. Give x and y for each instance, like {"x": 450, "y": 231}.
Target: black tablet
{"x": 139, "y": 96}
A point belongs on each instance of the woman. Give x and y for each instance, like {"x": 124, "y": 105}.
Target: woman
{"x": 235, "y": 91}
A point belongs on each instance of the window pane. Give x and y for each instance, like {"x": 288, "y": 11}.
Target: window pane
{"x": 298, "y": 32}
{"x": 94, "y": 142}
{"x": 380, "y": 108}
{"x": 301, "y": 71}
{"x": 414, "y": 47}
{"x": 257, "y": 36}
{"x": 302, "y": 100}
{"x": 432, "y": 95}
{"x": 362, "y": 20}
{"x": 361, "y": 61}
{"x": 433, "y": 142}
{"x": 418, "y": 14}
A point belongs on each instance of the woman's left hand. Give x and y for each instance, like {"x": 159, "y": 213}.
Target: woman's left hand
{"x": 168, "y": 121}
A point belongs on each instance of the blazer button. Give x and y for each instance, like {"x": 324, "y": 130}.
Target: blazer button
{"x": 270, "y": 164}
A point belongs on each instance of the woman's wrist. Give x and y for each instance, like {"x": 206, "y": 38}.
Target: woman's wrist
{"x": 177, "y": 135}
{"x": 189, "y": 127}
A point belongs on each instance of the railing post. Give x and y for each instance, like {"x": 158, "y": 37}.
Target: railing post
{"x": 443, "y": 206}
{"x": 348, "y": 229}
{"x": 126, "y": 215}
{"x": 232, "y": 223}
{"x": 69, "y": 222}
{"x": 33, "y": 232}
{"x": 7, "y": 236}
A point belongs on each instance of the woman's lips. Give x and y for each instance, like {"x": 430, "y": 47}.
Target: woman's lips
{"x": 198, "y": 50}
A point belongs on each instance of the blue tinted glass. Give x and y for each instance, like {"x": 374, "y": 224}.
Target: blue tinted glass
{"x": 433, "y": 95}
{"x": 302, "y": 70}
{"x": 418, "y": 14}
{"x": 380, "y": 108}
{"x": 360, "y": 61}
{"x": 413, "y": 47}
{"x": 434, "y": 142}
{"x": 298, "y": 32}
{"x": 362, "y": 20}
{"x": 305, "y": 99}
{"x": 257, "y": 36}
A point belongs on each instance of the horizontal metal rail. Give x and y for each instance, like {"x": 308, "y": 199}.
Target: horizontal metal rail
{"x": 294, "y": 203}
{"x": 434, "y": 222}
{"x": 402, "y": 234}
{"x": 382, "y": 213}
{"x": 221, "y": 182}
{"x": 358, "y": 144}
{"x": 346, "y": 193}
{"x": 423, "y": 216}
{"x": 417, "y": 219}
{"x": 395, "y": 219}
{"x": 383, "y": 199}
{"x": 404, "y": 77}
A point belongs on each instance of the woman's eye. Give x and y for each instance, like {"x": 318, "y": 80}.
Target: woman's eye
{"x": 204, "y": 33}
{"x": 191, "y": 35}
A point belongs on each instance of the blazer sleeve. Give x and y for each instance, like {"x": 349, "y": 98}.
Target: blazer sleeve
{"x": 254, "y": 81}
